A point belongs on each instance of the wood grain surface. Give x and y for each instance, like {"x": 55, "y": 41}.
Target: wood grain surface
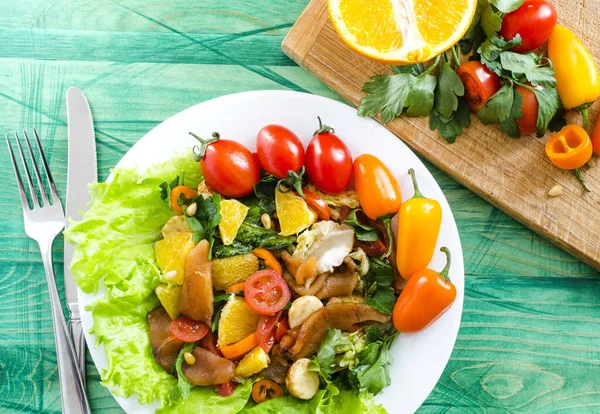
{"x": 513, "y": 174}
{"x": 530, "y": 335}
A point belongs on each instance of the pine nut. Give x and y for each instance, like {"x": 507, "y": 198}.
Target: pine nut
{"x": 171, "y": 275}
{"x": 266, "y": 221}
{"x": 555, "y": 191}
{"x": 189, "y": 358}
{"x": 191, "y": 209}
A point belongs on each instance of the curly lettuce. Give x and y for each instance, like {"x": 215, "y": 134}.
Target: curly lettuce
{"x": 115, "y": 250}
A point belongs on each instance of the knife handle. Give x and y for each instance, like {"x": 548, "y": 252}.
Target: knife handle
{"x": 76, "y": 330}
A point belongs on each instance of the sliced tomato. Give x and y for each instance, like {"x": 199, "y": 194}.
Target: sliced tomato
{"x": 188, "y": 330}
{"x": 282, "y": 327}
{"x": 317, "y": 204}
{"x": 265, "y": 332}
{"x": 480, "y": 83}
{"x": 266, "y": 292}
{"x": 225, "y": 390}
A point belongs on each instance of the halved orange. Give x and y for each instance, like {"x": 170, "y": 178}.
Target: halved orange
{"x": 397, "y": 32}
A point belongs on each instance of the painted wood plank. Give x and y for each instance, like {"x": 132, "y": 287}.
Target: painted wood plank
{"x": 531, "y": 311}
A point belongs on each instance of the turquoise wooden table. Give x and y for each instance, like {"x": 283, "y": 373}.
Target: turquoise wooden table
{"x": 530, "y": 334}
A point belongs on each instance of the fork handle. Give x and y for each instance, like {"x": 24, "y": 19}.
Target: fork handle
{"x": 72, "y": 390}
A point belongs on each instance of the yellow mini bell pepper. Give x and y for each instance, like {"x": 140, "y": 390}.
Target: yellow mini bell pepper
{"x": 577, "y": 78}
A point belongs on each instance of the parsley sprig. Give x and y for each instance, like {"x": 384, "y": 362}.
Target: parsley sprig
{"x": 437, "y": 91}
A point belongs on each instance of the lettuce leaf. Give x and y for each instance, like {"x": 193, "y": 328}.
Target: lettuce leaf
{"x": 115, "y": 255}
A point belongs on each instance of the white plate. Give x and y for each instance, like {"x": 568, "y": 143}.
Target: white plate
{"x": 419, "y": 359}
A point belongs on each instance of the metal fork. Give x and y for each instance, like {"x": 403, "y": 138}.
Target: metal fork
{"x": 43, "y": 223}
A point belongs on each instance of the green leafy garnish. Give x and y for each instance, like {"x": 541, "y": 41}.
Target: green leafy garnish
{"x": 450, "y": 128}
{"x": 548, "y": 105}
{"x": 379, "y": 292}
{"x": 166, "y": 187}
{"x": 528, "y": 67}
{"x": 448, "y": 89}
{"x": 507, "y": 6}
{"x": 499, "y": 107}
{"x": 183, "y": 384}
{"x": 204, "y": 223}
{"x": 386, "y": 94}
{"x": 362, "y": 232}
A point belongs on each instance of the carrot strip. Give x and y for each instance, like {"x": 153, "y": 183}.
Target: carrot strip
{"x": 236, "y": 288}
{"x": 240, "y": 347}
{"x": 270, "y": 261}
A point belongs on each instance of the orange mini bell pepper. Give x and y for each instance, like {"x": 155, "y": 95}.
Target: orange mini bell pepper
{"x": 425, "y": 297}
{"x": 569, "y": 149}
{"x": 240, "y": 348}
{"x": 270, "y": 261}
{"x": 596, "y": 137}
{"x": 176, "y": 192}
{"x": 419, "y": 221}
{"x": 378, "y": 192}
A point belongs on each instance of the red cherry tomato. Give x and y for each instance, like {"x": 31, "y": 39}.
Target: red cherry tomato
{"x": 279, "y": 150}
{"x": 188, "y": 330}
{"x": 480, "y": 83}
{"x": 534, "y": 21}
{"x": 282, "y": 327}
{"x": 328, "y": 161}
{"x": 266, "y": 292}
{"x": 528, "y": 122}
{"x": 209, "y": 342}
{"x": 227, "y": 166}
{"x": 317, "y": 204}
{"x": 265, "y": 332}
{"x": 596, "y": 137}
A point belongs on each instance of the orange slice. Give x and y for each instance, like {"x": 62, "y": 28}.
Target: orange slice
{"x": 398, "y": 32}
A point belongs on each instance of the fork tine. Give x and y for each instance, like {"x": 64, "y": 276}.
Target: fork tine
{"x": 17, "y": 174}
{"x": 34, "y": 198}
{"x": 36, "y": 170}
{"x": 55, "y": 197}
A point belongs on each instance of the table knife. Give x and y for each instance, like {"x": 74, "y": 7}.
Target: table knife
{"x": 82, "y": 171}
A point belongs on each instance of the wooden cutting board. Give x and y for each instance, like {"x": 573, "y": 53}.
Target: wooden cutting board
{"x": 512, "y": 174}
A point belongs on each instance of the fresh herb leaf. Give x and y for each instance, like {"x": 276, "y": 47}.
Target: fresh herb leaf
{"x": 528, "y": 67}
{"x": 183, "y": 384}
{"x": 333, "y": 343}
{"x": 372, "y": 373}
{"x": 204, "y": 223}
{"x": 507, "y": 6}
{"x": 510, "y": 126}
{"x": 449, "y": 129}
{"x": 490, "y": 50}
{"x": 548, "y": 105}
{"x": 448, "y": 89}
{"x": 474, "y": 34}
{"x": 386, "y": 94}
{"x": 414, "y": 70}
{"x": 362, "y": 232}
{"x": 166, "y": 187}
{"x": 378, "y": 291}
{"x": 491, "y": 22}
{"x": 264, "y": 192}
{"x": 420, "y": 99}
{"x": 499, "y": 107}
{"x": 558, "y": 122}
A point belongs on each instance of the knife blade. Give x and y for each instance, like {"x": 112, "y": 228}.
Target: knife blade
{"x": 81, "y": 171}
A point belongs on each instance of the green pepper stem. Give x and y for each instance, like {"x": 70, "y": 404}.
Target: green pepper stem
{"x": 446, "y": 269}
{"x": 418, "y": 193}
{"x": 204, "y": 143}
{"x": 585, "y": 115}
{"x": 387, "y": 221}
{"x": 581, "y": 179}
{"x": 323, "y": 128}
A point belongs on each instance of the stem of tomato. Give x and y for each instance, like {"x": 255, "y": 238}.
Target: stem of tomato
{"x": 323, "y": 128}
{"x": 204, "y": 143}
{"x": 415, "y": 184}
{"x": 581, "y": 179}
{"x": 446, "y": 269}
{"x": 387, "y": 221}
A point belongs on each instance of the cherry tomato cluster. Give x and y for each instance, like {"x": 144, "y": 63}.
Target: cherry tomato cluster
{"x": 534, "y": 21}
{"x": 327, "y": 160}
